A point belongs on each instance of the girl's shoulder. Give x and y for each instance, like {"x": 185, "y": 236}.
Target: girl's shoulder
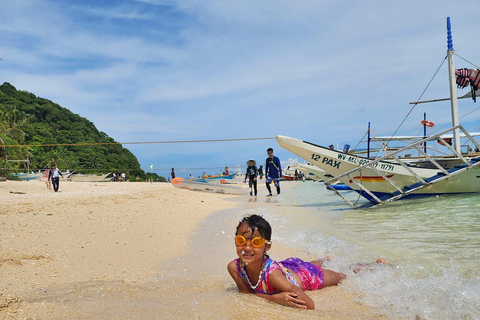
{"x": 271, "y": 265}
{"x": 235, "y": 263}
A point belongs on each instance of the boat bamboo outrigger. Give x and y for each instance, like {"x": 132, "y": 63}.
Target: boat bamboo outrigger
{"x": 390, "y": 177}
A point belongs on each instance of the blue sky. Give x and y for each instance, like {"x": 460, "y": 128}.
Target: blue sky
{"x": 160, "y": 70}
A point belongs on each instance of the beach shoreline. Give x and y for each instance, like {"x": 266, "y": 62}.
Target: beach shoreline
{"x": 132, "y": 251}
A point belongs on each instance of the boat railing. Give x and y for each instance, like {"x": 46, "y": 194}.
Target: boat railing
{"x": 393, "y": 157}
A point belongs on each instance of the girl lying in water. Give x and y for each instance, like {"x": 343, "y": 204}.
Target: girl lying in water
{"x": 283, "y": 282}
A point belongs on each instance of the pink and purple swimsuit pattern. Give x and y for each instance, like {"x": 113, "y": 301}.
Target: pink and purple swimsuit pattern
{"x": 311, "y": 275}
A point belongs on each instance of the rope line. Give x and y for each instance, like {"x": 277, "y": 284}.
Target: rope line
{"x": 473, "y": 64}
{"x": 413, "y": 107}
{"x": 120, "y": 143}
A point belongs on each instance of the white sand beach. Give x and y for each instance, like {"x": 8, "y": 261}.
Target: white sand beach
{"x": 131, "y": 251}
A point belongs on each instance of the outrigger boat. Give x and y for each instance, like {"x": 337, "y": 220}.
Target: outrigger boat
{"x": 26, "y": 176}
{"x": 213, "y": 177}
{"x": 79, "y": 177}
{"x": 391, "y": 177}
{"x": 311, "y": 169}
{"x": 210, "y": 187}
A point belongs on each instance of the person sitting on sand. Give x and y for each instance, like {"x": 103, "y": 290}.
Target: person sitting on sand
{"x": 283, "y": 282}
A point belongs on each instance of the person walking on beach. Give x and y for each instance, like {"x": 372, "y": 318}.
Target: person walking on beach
{"x": 46, "y": 176}
{"x": 173, "y": 173}
{"x": 55, "y": 177}
{"x": 260, "y": 172}
{"x": 251, "y": 174}
{"x": 273, "y": 172}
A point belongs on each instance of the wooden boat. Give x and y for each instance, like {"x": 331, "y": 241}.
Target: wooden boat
{"x": 220, "y": 176}
{"x": 389, "y": 178}
{"x": 26, "y": 176}
{"x": 210, "y": 187}
{"x": 78, "y": 177}
{"x": 315, "y": 171}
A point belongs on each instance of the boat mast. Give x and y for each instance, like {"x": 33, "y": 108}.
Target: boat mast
{"x": 368, "y": 142}
{"x": 453, "y": 87}
{"x": 425, "y": 131}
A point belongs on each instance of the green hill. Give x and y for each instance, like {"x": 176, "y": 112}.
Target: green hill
{"x": 26, "y": 119}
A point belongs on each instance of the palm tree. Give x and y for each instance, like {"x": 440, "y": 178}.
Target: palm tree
{"x": 14, "y": 125}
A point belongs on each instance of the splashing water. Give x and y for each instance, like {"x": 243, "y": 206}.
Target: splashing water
{"x": 432, "y": 246}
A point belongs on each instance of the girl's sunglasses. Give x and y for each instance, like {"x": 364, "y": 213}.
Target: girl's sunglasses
{"x": 256, "y": 242}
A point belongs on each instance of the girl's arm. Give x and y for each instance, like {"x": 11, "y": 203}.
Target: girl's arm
{"x": 289, "y": 299}
{"x": 286, "y": 298}
{"x": 279, "y": 282}
{"x": 242, "y": 286}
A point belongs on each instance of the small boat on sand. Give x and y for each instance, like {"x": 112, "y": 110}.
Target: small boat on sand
{"x": 26, "y": 176}
{"x": 210, "y": 187}
{"x": 78, "y": 177}
{"x": 211, "y": 177}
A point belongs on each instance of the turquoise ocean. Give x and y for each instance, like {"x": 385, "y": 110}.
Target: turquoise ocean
{"x": 432, "y": 246}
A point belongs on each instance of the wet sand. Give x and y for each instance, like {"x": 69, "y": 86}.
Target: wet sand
{"x": 133, "y": 251}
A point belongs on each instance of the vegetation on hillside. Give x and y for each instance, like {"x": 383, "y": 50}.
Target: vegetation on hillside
{"x": 26, "y": 119}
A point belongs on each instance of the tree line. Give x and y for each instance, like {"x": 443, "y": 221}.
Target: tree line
{"x": 26, "y": 119}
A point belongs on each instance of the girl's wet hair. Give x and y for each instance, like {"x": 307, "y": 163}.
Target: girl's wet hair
{"x": 256, "y": 222}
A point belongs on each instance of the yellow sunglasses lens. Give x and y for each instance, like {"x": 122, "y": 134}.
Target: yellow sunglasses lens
{"x": 240, "y": 241}
{"x": 255, "y": 242}
{"x": 258, "y": 242}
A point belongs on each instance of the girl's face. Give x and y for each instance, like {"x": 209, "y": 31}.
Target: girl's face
{"x": 251, "y": 163}
{"x": 247, "y": 253}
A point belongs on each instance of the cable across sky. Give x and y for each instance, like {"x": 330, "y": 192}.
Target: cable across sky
{"x": 121, "y": 143}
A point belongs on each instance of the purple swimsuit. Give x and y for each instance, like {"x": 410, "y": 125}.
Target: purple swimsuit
{"x": 311, "y": 275}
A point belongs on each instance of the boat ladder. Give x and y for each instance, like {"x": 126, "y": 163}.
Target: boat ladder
{"x": 393, "y": 157}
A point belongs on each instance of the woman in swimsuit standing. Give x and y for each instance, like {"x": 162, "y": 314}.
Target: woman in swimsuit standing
{"x": 283, "y": 282}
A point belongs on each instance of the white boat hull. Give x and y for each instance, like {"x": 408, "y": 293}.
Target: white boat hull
{"x": 337, "y": 163}
{"x": 210, "y": 187}
{"x": 27, "y": 176}
{"x": 316, "y": 171}
{"x": 88, "y": 177}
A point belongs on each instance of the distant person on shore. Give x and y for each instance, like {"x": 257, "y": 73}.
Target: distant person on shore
{"x": 191, "y": 177}
{"x": 273, "y": 172}
{"x": 55, "y": 177}
{"x": 252, "y": 174}
{"x": 283, "y": 282}
{"x": 173, "y": 173}
{"x": 123, "y": 176}
{"x": 204, "y": 175}
{"x": 46, "y": 176}
{"x": 225, "y": 173}
{"x": 114, "y": 177}
{"x": 260, "y": 172}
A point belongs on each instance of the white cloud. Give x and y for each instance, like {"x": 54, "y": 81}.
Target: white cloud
{"x": 316, "y": 70}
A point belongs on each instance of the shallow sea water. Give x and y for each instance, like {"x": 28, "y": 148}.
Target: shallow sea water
{"x": 432, "y": 246}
